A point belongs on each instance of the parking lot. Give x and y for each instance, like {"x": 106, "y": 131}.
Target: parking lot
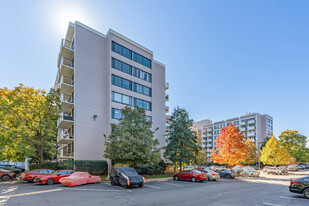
{"x": 265, "y": 190}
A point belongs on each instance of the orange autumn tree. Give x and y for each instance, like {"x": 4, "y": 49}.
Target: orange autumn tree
{"x": 231, "y": 147}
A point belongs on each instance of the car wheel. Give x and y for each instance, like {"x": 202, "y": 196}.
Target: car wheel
{"x": 123, "y": 182}
{"x": 306, "y": 193}
{"x": 5, "y": 178}
{"x": 176, "y": 178}
{"x": 193, "y": 179}
{"x": 50, "y": 181}
{"x": 214, "y": 180}
{"x": 34, "y": 180}
{"x": 228, "y": 176}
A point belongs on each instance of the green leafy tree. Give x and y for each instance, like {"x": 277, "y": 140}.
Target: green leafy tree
{"x": 131, "y": 141}
{"x": 252, "y": 151}
{"x": 200, "y": 155}
{"x": 274, "y": 153}
{"x": 295, "y": 144}
{"x": 181, "y": 143}
{"x": 28, "y": 123}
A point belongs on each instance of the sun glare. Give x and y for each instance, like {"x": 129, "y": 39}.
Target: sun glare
{"x": 65, "y": 14}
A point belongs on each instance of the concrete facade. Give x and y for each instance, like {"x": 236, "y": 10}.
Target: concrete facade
{"x": 84, "y": 128}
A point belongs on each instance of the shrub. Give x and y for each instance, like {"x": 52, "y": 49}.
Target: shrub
{"x": 151, "y": 169}
{"x": 98, "y": 167}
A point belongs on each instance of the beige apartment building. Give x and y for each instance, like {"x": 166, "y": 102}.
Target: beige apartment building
{"x": 254, "y": 126}
{"x": 98, "y": 75}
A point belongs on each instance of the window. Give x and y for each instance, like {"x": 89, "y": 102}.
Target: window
{"x": 116, "y": 64}
{"x": 116, "y": 113}
{"x": 142, "y": 89}
{"x": 63, "y": 173}
{"x": 141, "y": 74}
{"x": 142, "y": 104}
{"x": 120, "y": 98}
{"x": 142, "y": 60}
{"x": 148, "y": 118}
{"x": 118, "y": 81}
{"x": 121, "y": 50}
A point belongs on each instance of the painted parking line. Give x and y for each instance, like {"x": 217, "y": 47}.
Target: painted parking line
{"x": 117, "y": 187}
{"x": 30, "y": 193}
{"x": 266, "y": 203}
{"x": 294, "y": 198}
{"x": 167, "y": 183}
{"x": 151, "y": 186}
{"x": 95, "y": 190}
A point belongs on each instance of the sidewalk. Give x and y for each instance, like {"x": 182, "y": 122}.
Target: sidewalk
{"x": 159, "y": 179}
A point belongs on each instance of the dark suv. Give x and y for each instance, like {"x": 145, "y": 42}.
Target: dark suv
{"x": 228, "y": 174}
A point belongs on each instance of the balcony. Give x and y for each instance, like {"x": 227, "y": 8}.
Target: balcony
{"x": 251, "y": 133}
{"x": 209, "y": 134}
{"x": 166, "y": 97}
{"x": 66, "y": 85}
{"x": 166, "y": 86}
{"x": 252, "y": 127}
{"x": 66, "y": 155}
{"x": 66, "y": 67}
{"x": 65, "y": 121}
{"x": 67, "y": 103}
{"x": 66, "y": 50}
{"x": 243, "y": 129}
{"x": 64, "y": 137}
{"x": 209, "y": 140}
{"x": 166, "y": 109}
{"x": 243, "y": 123}
{"x": 252, "y": 121}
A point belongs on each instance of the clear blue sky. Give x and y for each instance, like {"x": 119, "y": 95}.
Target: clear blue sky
{"x": 223, "y": 58}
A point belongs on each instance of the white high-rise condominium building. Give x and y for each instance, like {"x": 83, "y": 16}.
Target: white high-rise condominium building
{"x": 97, "y": 76}
{"x": 254, "y": 126}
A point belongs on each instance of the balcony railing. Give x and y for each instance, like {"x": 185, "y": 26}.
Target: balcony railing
{"x": 67, "y": 62}
{"x": 66, "y": 98}
{"x": 66, "y": 80}
{"x": 66, "y": 43}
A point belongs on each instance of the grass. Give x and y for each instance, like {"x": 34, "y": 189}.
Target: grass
{"x": 166, "y": 175}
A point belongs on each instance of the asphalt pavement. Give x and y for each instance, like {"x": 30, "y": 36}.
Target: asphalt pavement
{"x": 265, "y": 190}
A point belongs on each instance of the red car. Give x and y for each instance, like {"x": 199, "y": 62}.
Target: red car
{"x": 30, "y": 176}
{"x": 6, "y": 176}
{"x": 53, "y": 178}
{"x": 79, "y": 178}
{"x": 193, "y": 175}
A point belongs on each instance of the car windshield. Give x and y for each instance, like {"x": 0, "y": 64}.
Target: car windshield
{"x": 196, "y": 171}
{"x": 55, "y": 172}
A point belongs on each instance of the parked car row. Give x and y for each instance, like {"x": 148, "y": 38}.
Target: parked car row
{"x": 11, "y": 168}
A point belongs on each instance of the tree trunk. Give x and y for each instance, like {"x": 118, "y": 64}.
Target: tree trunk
{"x": 180, "y": 163}
{"x": 175, "y": 167}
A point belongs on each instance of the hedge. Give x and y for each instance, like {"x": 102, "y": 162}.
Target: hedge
{"x": 98, "y": 167}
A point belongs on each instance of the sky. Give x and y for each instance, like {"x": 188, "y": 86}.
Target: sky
{"x": 223, "y": 58}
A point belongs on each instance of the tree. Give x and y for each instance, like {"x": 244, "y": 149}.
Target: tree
{"x": 252, "y": 151}
{"x": 201, "y": 158}
{"x": 295, "y": 144}
{"x": 274, "y": 153}
{"x": 28, "y": 120}
{"x": 131, "y": 141}
{"x": 181, "y": 143}
{"x": 230, "y": 148}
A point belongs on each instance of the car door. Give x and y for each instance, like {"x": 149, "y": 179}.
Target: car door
{"x": 60, "y": 175}
{"x": 189, "y": 175}
{"x": 182, "y": 175}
